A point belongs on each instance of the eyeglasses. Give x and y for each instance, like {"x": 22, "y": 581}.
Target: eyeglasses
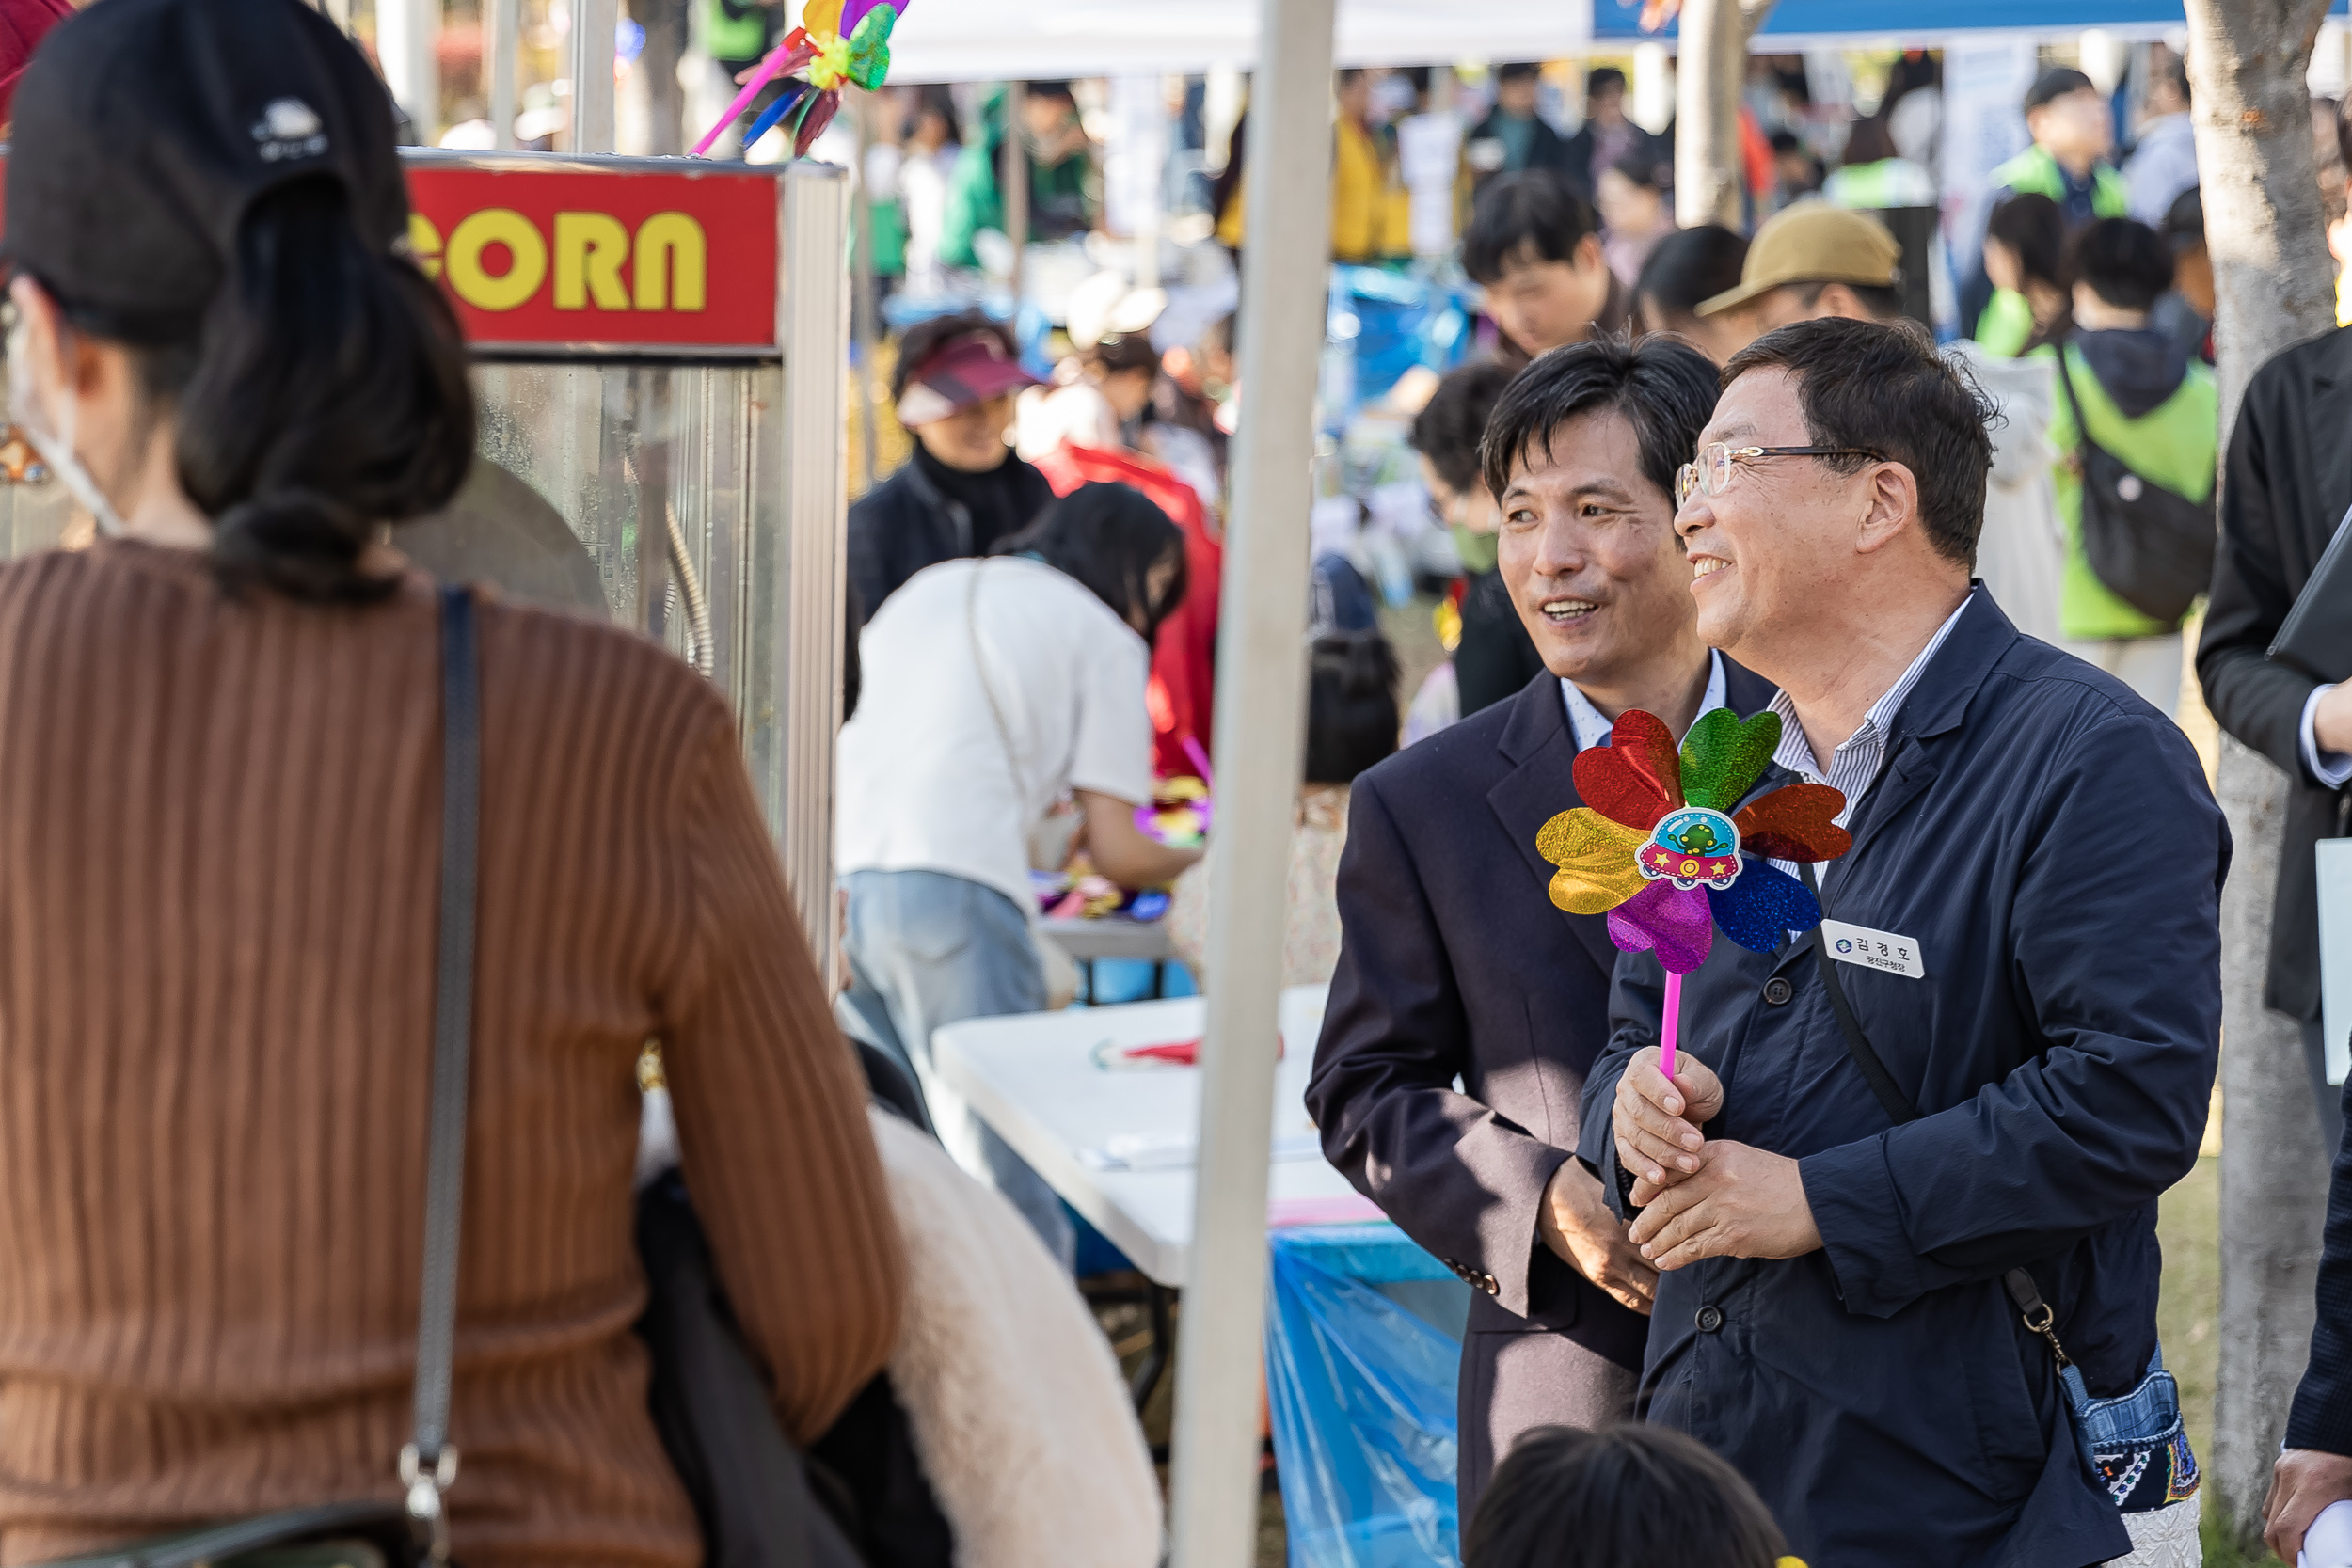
{"x": 1713, "y": 472}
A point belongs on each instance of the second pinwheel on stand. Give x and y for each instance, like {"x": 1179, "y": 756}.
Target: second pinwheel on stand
{"x": 1663, "y": 846}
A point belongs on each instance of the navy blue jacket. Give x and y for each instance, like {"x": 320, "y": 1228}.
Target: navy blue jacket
{"x": 2049, "y": 841}
{"x": 1455, "y": 965}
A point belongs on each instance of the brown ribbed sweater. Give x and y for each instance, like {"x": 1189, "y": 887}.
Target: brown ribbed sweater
{"x": 219, "y": 861}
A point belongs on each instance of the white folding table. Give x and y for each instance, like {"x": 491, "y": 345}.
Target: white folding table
{"x": 1034, "y": 1079}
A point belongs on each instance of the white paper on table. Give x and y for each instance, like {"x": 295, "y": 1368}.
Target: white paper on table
{"x": 1149, "y": 1151}
{"x": 2329, "y": 1542}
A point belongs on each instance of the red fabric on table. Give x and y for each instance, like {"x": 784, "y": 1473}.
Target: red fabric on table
{"x": 1184, "y": 658}
{"x": 23, "y": 24}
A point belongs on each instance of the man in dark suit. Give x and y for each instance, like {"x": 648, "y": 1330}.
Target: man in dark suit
{"x": 1455, "y": 962}
{"x": 2283, "y": 495}
{"x": 2286, "y": 486}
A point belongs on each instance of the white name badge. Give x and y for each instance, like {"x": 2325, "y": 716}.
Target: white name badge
{"x": 1884, "y": 951}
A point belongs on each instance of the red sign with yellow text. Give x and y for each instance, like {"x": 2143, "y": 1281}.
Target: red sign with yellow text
{"x": 572, "y": 254}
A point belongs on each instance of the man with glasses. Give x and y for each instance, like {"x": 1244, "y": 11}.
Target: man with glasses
{"x": 1455, "y": 967}
{"x": 1869, "y": 1173}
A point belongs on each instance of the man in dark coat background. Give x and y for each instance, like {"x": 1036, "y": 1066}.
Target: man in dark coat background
{"x": 1513, "y": 138}
{"x": 1455, "y": 963}
{"x": 2286, "y": 488}
{"x": 2037, "y": 854}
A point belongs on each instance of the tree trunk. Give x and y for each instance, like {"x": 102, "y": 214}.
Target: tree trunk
{"x": 2274, "y": 288}
{"x": 1712, "y": 69}
{"x": 2274, "y": 1177}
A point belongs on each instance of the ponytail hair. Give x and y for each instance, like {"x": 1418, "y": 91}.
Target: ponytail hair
{"x": 325, "y": 393}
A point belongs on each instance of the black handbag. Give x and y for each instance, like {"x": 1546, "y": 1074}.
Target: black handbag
{"x": 2151, "y": 547}
{"x": 2316, "y": 635}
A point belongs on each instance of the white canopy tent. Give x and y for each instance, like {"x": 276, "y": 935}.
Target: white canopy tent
{"x": 981, "y": 41}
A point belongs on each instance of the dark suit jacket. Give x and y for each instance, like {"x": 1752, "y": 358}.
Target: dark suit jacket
{"x": 2048, "y": 841}
{"x": 2321, "y": 1416}
{"x": 1455, "y": 963}
{"x": 2287, "y": 485}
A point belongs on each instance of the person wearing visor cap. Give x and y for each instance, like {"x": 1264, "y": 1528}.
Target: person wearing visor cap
{"x": 221, "y": 785}
{"x": 1808, "y": 261}
{"x": 965, "y": 488}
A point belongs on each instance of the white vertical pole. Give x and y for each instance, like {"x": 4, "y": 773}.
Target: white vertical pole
{"x": 1259, "y": 746}
{"x": 503, "y": 38}
{"x": 592, "y": 25}
{"x": 406, "y": 34}
{"x": 1650, "y": 104}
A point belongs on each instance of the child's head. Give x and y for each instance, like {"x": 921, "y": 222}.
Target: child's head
{"x": 1627, "y": 1496}
{"x": 1351, "y": 705}
{"x": 2024, "y": 244}
{"x": 2124, "y": 264}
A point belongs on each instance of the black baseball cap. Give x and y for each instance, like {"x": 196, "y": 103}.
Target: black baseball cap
{"x": 2057, "y": 83}
{"x": 146, "y": 130}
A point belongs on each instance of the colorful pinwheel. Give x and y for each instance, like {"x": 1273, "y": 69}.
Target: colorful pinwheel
{"x": 838, "y": 41}
{"x": 1664, "y": 848}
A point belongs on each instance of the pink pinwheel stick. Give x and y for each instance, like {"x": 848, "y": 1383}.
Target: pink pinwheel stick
{"x": 1201, "y": 760}
{"x": 761, "y": 78}
{"x": 1671, "y": 1025}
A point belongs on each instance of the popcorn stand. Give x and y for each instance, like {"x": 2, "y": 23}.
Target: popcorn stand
{"x": 660, "y": 351}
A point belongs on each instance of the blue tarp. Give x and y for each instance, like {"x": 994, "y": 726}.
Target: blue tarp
{"x": 1619, "y": 21}
{"x": 1363, "y": 1337}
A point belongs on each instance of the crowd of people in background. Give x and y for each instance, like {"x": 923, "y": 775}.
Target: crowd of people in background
{"x": 2073, "y": 303}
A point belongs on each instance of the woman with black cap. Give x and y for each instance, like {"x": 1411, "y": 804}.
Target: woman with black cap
{"x": 220, "y": 813}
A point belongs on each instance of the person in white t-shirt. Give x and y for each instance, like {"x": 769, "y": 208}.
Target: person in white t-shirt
{"x": 989, "y": 689}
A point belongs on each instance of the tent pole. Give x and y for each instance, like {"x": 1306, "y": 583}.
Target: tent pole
{"x": 406, "y": 33}
{"x": 594, "y": 23}
{"x": 1013, "y": 179}
{"x": 505, "y": 38}
{"x": 1260, "y": 744}
{"x": 862, "y": 326}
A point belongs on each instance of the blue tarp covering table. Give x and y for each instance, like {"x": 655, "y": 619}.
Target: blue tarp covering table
{"x": 1363, "y": 1335}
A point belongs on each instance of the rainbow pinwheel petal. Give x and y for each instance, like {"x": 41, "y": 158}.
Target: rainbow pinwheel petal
{"x": 1795, "y": 822}
{"x": 854, "y": 12}
{"x": 1675, "y": 921}
{"x": 814, "y": 119}
{"x": 1597, "y": 871}
{"x": 1635, "y": 778}
{"x": 1759, "y": 909}
{"x": 1721, "y": 757}
{"x": 824, "y": 16}
{"x": 870, "y": 47}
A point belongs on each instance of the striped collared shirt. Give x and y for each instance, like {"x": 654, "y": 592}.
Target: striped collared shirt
{"x": 1854, "y": 767}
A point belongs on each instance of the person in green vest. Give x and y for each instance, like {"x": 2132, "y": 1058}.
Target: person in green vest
{"x": 2073, "y": 131}
{"x": 1064, "y": 189}
{"x": 2152, "y": 405}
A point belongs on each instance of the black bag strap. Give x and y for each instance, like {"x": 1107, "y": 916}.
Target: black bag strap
{"x": 429, "y": 1464}
{"x": 1882, "y": 1082}
{"x": 2083, "y": 438}
{"x": 2018, "y": 1282}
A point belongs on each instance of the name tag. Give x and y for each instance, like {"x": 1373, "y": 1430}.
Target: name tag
{"x": 1884, "y": 951}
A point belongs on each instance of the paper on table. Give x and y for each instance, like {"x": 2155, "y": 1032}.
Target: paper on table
{"x": 1147, "y": 1151}
{"x": 2329, "y": 1542}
